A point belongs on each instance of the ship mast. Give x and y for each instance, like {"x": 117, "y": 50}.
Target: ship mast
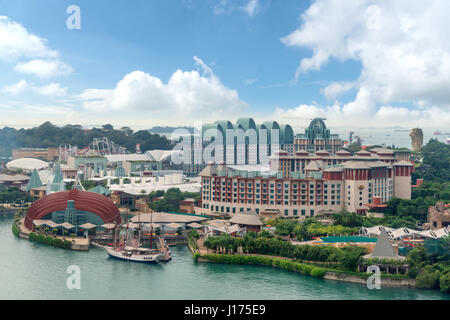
{"x": 151, "y": 230}
{"x": 126, "y": 235}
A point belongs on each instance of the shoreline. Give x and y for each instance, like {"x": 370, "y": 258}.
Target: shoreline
{"x": 303, "y": 268}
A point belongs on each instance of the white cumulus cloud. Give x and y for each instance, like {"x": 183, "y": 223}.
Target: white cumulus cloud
{"x": 16, "y": 88}
{"x": 44, "y": 68}
{"x": 186, "y": 94}
{"x": 52, "y": 90}
{"x": 403, "y": 49}
{"x": 16, "y": 42}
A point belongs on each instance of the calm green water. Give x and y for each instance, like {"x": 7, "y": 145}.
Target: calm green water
{"x": 34, "y": 271}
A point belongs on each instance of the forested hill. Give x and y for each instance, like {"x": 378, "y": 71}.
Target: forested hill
{"x": 49, "y": 135}
{"x": 166, "y": 130}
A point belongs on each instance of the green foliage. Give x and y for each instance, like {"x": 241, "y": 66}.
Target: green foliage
{"x": 428, "y": 278}
{"x": 348, "y": 257}
{"x": 417, "y": 255}
{"x": 194, "y": 234}
{"x": 435, "y": 166}
{"x": 348, "y": 219}
{"x": 385, "y": 261}
{"x": 444, "y": 282}
{"x": 318, "y": 272}
{"x": 196, "y": 256}
{"x": 49, "y": 240}
{"x": 266, "y": 261}
{"x": 15, "y": 229}
{"x": 13, "y": 194}
{"x": 309, "y": 228}
{"x": 354, "y": 147}
{"x": 49, "y": 135}
{"x": 171, "y": 201}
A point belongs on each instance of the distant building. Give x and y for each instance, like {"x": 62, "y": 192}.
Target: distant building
{"x": 27, "y": 164}
{"x": 438, "y": 216}
{"x": 348, "y": 186}
{"x": 251, "y": 143}
{"x": 48, "y": 154}
{"x": 90, "y": 165}
{"x": 74, "y": 207}
{"x": 316, "y": 138}
{"x": 14, "y": 180}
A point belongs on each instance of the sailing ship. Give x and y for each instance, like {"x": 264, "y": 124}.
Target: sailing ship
{"x": 132, "y": 249}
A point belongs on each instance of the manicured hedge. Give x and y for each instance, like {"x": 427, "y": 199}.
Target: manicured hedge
{"x": 348, "y": 257}
{"x": 284, "y": 264}
{"x": 15, "y": 229}
{"x": 50, "y": 240}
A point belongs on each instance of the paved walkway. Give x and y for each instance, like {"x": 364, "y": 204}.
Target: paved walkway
{"x": 78, "y": 241}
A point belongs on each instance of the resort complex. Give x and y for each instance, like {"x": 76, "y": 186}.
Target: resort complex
{"x": 312, "y": 185}
{"x": 309, "y": 198}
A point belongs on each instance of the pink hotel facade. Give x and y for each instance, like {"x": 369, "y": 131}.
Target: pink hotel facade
{"x": 303, "y": 185}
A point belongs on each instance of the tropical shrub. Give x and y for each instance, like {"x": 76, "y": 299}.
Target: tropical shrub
{"x": 428, "y": 278}
{"x": 318, "y": 272}
{"x": 444, "y": 282}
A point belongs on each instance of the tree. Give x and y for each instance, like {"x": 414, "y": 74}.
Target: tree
{"x": 428, "y": 278}
{"x": 108, "y": 127}
{"x": 444, "y": 282}
{"x": 350, "y": 256}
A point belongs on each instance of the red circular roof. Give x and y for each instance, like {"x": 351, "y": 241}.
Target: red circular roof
{"x": 83, "y": 200}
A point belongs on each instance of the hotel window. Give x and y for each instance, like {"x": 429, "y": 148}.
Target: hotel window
{"x": 303, "y": 212}
{"x": 286, "y": 212}
{"x": 295, "y": 212}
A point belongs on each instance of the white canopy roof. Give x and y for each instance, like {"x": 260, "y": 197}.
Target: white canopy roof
{"x": 226, "y": 229}
{"x": 174, "y": 225}
{"x": 88, "y": 226}
{"x": 194, "y": 225}
{"x": 27, "y": 164}
{"x": 66, "y": 225}
{"x": 108, "y": 225}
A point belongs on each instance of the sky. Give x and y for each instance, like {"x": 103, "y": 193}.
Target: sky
{"x": 142, "y": 63}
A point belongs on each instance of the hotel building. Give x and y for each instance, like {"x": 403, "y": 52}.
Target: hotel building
{"x": 316, "y": 138}
{"x": 306, "y": 186}
{"x": 241, "y": 143}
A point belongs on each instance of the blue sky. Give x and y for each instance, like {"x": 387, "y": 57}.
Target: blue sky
{"x": 236, "y": 58}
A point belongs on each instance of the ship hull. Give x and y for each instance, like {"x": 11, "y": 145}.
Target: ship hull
{"x": 150, "y": 258}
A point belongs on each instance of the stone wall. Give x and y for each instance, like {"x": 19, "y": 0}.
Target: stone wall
{"x": 438, "y": 216}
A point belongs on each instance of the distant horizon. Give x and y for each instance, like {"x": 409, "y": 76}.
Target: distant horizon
{"x": 370, "y": 65}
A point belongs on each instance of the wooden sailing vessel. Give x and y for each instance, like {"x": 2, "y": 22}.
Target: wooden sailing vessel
{"x": 134, "y": 252}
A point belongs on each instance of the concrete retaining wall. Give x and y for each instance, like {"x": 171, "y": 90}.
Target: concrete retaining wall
{"x": 410, "y": 283}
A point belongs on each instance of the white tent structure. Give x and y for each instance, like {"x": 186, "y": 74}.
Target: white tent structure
{"x": 400, "y": 233}
{"x": 374, "y": 231}
{"x": 27, "y": 164}
{"x": 225, "y": 229}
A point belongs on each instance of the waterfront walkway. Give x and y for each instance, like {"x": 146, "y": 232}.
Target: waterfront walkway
{"x": 78, "y": 243}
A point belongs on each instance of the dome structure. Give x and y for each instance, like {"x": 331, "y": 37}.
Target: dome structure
{"x": 317, "y": 130}
{"x": 82, "y": 201}
{"x": 27, "y": 164}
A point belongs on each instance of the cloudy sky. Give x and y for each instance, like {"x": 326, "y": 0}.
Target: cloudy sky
{"x": 358, "y": 63}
